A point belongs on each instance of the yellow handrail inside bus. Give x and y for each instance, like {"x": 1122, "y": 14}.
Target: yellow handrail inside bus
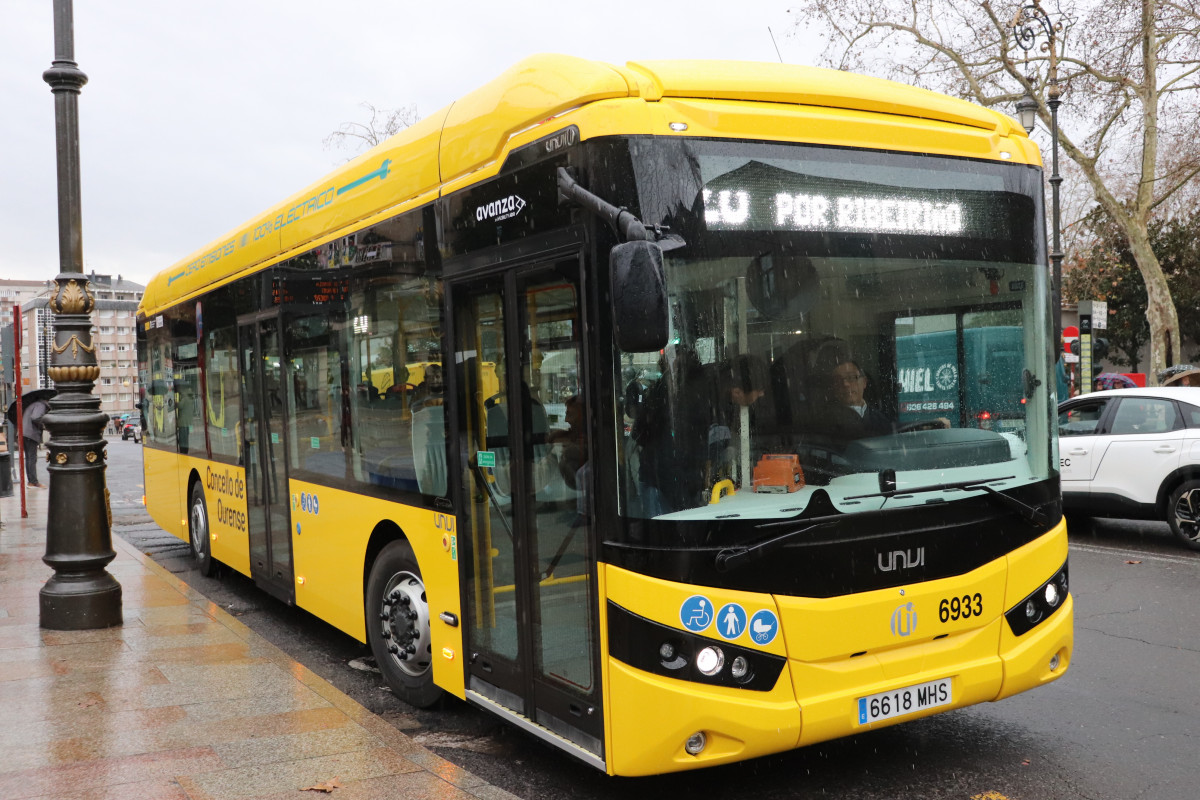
{"x": 720, "y": 489}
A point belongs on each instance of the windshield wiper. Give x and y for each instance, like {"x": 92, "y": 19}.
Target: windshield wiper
{"x": 733, "y": 557}
{"x": 1030, "y": 513}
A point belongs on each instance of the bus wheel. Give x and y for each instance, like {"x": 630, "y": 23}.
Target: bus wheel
{"x": 198, "y": 532}
{"x": 398, "y": 626}
{"x": 1183, "y": 513}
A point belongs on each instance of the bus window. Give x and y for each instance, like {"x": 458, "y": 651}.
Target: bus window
{"x": 222, "y": 393}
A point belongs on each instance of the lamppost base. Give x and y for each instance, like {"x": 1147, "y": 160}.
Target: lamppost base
{"x": 80, "y": 601}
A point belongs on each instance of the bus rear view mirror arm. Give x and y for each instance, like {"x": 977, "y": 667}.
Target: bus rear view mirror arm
{"x": 639, "y": 287}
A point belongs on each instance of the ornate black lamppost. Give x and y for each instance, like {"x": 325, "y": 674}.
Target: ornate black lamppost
{"x": 1030, "y": 22}
{"x": 81, "y": 594}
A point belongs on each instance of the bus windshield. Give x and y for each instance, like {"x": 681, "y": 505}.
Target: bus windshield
{"x": 844, "y": 325}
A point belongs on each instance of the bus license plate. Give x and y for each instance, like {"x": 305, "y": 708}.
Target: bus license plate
{"x": 899, "y": 702}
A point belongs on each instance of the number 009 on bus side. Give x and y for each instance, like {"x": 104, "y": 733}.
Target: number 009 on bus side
{"x": 899, "y": 702}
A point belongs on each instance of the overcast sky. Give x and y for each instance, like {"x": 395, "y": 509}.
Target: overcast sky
{"x": 198, "y": 116}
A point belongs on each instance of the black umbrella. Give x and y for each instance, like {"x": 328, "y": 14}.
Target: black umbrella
{"x": 26, "y": 399}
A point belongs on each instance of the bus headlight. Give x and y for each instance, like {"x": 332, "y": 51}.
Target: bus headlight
{"x": 696, "y": 743}
{"x": 710, "y": 660}
{"x": 1039, "y": 605}
{"x": 739, "y": 668}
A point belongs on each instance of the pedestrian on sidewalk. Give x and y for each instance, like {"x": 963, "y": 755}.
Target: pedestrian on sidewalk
{"x": 31, "y": 428}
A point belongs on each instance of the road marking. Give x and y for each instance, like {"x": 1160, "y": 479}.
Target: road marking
{"x": 1115, "y": 551}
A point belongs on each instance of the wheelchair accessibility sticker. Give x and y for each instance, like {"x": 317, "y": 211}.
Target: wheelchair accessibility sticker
{"x": 696, "y": 613}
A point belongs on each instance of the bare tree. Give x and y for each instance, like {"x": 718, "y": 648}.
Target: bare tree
{"x": 1130, "y": 75}
{"x": 381, "y": 124}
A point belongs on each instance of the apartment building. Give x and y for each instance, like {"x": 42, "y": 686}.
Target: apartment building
{"x": 114, "y": 335}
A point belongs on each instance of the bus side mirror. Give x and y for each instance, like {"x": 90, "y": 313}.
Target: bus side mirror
{"x": 639, "y": 297}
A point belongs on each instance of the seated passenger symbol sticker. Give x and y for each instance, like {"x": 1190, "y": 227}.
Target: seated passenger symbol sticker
{"x": 696, "y": 613}
{"x": 763, "y": 627}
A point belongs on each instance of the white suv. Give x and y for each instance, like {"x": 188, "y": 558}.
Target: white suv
{"x": 1133, "y": 453}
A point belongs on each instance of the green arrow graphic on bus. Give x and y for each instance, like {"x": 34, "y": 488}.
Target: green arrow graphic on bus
{"x": 380, "y": 173}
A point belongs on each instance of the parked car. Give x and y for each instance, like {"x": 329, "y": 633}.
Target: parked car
{"x": 1133, "y": 454}
{"x": 131, "y": 430}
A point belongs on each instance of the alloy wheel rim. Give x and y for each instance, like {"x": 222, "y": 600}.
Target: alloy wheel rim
{"x": 404, "y": 617}
{"x": 199, "y": 528}
{"x": 1187, "y": 515}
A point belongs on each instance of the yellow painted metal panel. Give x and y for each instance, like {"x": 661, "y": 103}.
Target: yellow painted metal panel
{"x": 225, "y": 498}
{"x": 814, "y": 86}
{"x": 1027, "y": 659}
{"x": 819, "y": 629}
{"x": 481, "y": 123}
{"x": 397, "y": 170}
{"x": 1035, "y": 563}
{"x": 838, "y": 127}
{"x": 164, "y": 495}
{"x": 330, "y": 532}
{"x": 652, "y": 716}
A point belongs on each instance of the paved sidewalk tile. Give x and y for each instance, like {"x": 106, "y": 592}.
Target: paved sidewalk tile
{"x": 179, "y": 702}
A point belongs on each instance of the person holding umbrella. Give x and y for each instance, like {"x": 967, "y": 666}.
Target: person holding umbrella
{"x": 31, "y": 428}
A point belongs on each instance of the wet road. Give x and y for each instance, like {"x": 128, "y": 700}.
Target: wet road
{"x": 1123, "y": 723}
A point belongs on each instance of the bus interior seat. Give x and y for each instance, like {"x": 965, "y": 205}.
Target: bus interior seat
{"x": 429, "y": 450}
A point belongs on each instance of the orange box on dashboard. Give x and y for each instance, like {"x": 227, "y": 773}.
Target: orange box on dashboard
{"x": 778, "y": 473}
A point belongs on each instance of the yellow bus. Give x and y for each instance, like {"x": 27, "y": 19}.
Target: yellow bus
{"x": 674, "y": 500}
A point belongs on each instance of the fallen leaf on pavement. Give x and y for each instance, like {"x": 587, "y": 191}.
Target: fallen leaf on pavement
{"x": 1133, "y": 562}
{"x": 327, "y": 787}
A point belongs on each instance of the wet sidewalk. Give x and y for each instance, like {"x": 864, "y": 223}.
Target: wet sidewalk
{"x": 181, "y": 701}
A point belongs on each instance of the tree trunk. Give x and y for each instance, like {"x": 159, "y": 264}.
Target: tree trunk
{"x": 1160, "y": 308}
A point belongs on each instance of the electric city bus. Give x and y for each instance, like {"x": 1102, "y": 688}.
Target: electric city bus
{"x": 543, "y": 399}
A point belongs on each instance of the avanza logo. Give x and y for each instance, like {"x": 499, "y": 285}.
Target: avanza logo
{"x": 500, "y": 210}
{"x": 901, "y": 559}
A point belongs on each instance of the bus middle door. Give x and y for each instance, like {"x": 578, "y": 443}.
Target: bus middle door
{"x": 263, "y": 399}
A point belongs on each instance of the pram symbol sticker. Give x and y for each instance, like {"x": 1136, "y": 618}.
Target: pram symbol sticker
{"x": 764, "y": 625}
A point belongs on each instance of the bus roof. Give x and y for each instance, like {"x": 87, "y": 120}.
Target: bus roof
{"x": 474, "y": 132}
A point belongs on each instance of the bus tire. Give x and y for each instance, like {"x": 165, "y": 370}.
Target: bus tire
{"x": 198, "y": 532}
{"x": 1183, "y": 513}
{"x": 397, "y": 615}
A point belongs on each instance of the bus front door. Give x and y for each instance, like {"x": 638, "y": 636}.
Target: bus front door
{"x": 265, "y": 460}
{"x": 530, "y": 597}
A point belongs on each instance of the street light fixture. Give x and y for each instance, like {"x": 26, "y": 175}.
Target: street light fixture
{"x": 1027, "y": 112}
{"x": 1029, "y": 23}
